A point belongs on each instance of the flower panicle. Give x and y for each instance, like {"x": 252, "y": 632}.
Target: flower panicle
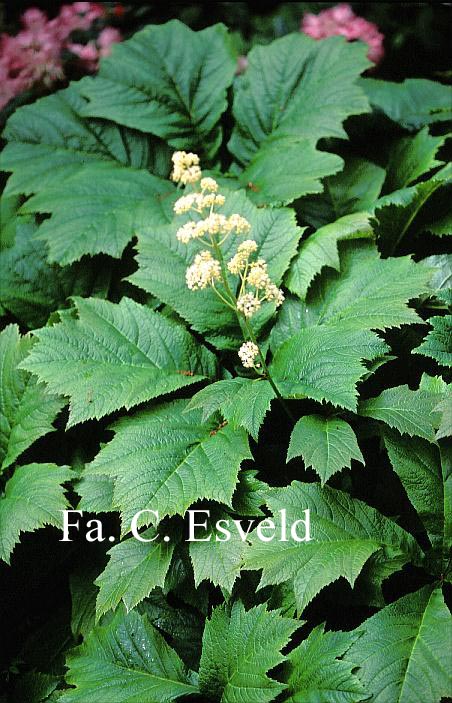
{"x": 254, "y": 285}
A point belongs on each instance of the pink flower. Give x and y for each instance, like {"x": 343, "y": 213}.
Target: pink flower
{"x": 87, "y": 53}
{"x": 34, "y": 55}
{"x": 106, "y": 38}
{"x": 33, "y": 18}
{"x": 341, "y": 20}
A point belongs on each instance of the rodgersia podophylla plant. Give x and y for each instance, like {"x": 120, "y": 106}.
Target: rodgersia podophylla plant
{"x": 209, "y": 268}
{"x": 151, "y": 403}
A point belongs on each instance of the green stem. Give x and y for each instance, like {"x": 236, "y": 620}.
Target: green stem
{"x": 246, "y": 328}
{"x": 252, "y": 336}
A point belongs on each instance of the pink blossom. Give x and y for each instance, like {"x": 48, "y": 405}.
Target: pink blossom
{"x": 106, "y": 38}
{"x": 89, "y": 54}
{"x": 341, "y": 20}
{"x": 33, "y": 17}
{"x": 34, "y": 56}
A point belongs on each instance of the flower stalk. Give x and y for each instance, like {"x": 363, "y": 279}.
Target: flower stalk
{"x": 253, "y": 280}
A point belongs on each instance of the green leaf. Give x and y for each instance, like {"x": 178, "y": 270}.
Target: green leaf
{"x": 276, "y": 181}
{"x": 344, "y": 533}
{"x": 184, "y": 626}
{"x": 368, "y": 293}
{"x": 317, "y": 673}
{"x": 114, "y": 356}
{"x": 164, "y": 459}
{"x": 216, "y": 560}
{"x": 42, "y": 151}
{"x": 409, "y": 412}
{"x": 34, "y": 687}
{"x": 239, "y": 648}
{"x": 169, "y": 81}
{"x": 294, "y": 92}
{"x": 427, "y": 479}
{"x": 126, "y": 661}
{"x": 326, "y": 444}
{"x": 96, "y": 494}
{"x": 397, "y": 212}
{"x": 354, "y": 189}
{"x": 83, "y": 598}
{"x": 438, "y": 342}
{"x": 163, "y": 261}
{"x": 323, "y": 363}
{"x": 445, "y": 410}
{"x": 26, "y": 411}
{"x": 410, "y": 158}
{"x": 98, "y": 210}
{"x": 402, "y": 653}
{"x": 297, "y": 87}
{"x": 9, "y": 205}
{"x": 321, "y": 249}
{"x": 135, "y": 568}
{"x": 412, "y": 104}
{"x": 442, "y": 226}
{"x": 33, "y": 498}
{"x": 250, "y": 494}
{"x": 242, "y": 402}
{"x": 31, "y": 288}
{"x": 441, "y": 281}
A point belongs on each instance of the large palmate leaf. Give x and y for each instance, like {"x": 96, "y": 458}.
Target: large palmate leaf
{"x": 26, "y": 411}
{"x": 239, "y": 647}
{"x": 169, "y": 81}
{"x": 31, "y": 288}
{"x": 354, "y": 189}
{"x": 163, "y": 261}
{"x": 368, "y": 293}
{"x": 438, "y": 342}
{"x": 213, "y": 557}
{"x": 134, "y": 569}
{"x": 426, "y": 475}
{"x": 33, "y": 498}
{"x": 323, "y": 363}
{"x": 321, "y": 249}
{"x": 410, "y": 158}
{"x": 98, "y": 210}
{"x": 412, "y": 104}
{"x": 114, "y": 356}
{"x": 316, "y": 673}
{"x": 326, "y": 444}
{"x": 164, "y": 459}
{"x": 126, "y": 661}
{"x": 344, "y": 533}
{"x": 410, "y": 412}
{"x": 402, "y": 655}
{"x": 294, "y": 92}
{"x": 242, "y": 402}
{"x": 43, "y": 151}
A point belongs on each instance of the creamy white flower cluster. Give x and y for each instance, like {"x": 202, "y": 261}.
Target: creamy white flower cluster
{"x": 213, "y": 228}
{"x": 186, "y": 168}
{"x": 247, "y": 353}
{"x": 254, "y": 274}
{"x": 204, "y": 271}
